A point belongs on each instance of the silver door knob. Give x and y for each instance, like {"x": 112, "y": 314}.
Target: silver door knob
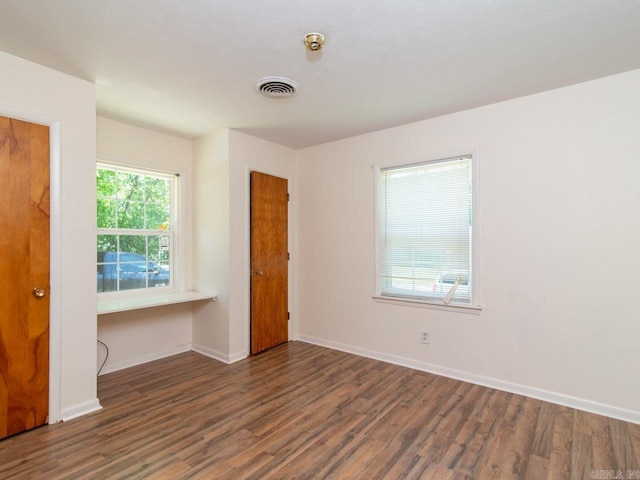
{"x": 38, "y": 292}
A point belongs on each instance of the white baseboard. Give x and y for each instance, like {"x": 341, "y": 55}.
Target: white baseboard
{"x": 236, "y": 357}
{"x": 221, "y": 357}
{"x": 209, "y": 352}
{"x": 109, "y": 368}
{"x": 80, "y": 410}
{"x": 533, "y": 392}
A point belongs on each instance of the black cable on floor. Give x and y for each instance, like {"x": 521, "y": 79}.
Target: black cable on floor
{"x": 106, "y": 356}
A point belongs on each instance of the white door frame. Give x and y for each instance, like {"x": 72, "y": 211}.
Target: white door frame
{"x": 55, "y": 271}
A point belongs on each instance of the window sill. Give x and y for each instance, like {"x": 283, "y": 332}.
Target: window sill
{"x": 111, "y": 305}
{"x": 470, "y": 309}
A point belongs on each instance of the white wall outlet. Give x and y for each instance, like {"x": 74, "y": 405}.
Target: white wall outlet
{"x": 424, "y": 337}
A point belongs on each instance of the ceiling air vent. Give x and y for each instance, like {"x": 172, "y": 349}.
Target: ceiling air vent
{"x": 276, "y": 87}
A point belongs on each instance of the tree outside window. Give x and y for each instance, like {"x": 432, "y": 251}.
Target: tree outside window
{"x": 135, "y": 234}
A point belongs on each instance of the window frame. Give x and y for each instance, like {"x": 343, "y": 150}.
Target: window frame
{"x": 474, "y": 305}
{"x": 176, "y": 250}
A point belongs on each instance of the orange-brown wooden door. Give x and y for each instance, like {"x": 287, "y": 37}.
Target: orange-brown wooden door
{"x": 269, "y": 262}
{"x": 24, "y": 268}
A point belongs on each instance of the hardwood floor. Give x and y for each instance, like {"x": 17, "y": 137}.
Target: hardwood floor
{"x": 302, "y": 411}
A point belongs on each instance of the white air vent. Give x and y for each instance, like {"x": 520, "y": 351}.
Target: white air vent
{"x": 276, "y": 87}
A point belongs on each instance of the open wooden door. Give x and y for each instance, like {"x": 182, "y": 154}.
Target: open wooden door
{"x": 24, "y": 270}
{"x": 269, "y": 262}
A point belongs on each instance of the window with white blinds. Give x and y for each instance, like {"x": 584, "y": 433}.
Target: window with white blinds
{"x": 425, "y": 231}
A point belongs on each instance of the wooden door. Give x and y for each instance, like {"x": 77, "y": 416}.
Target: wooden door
{"x": 24, "y": 268}
{"x": 269, "y": 262}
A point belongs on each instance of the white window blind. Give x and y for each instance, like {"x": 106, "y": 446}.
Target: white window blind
{"x": 425, "y": 231}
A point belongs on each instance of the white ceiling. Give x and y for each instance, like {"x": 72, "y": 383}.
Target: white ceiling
{"x": 188, "y": 67}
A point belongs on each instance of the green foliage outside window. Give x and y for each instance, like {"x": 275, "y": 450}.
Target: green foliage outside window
{"x": 132, "y": 201}
{"x": 133, "y": 217}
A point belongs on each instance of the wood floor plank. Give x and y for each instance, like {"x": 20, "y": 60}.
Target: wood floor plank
{"x": 300, "y": 411}
{"x": 543, "y": 435}
{"x": 581, "y": 458}
{"x": 562, "y": 444}
{"x": 477, "y": 446}
{"x": 510, "y": 452}
{"x": 537, "y": 468}
{"x": 622, "y": 446}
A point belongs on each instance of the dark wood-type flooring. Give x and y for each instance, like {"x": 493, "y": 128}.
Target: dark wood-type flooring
{"x": 302, "y": 411}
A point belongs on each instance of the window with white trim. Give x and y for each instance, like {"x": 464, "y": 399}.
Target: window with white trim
{"x": 425, "y": 222}
{"x": 136, "y": 220}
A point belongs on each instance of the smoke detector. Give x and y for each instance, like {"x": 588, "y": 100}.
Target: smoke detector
{"x": 276, "y": 87}
{"x": 314, "y": 41}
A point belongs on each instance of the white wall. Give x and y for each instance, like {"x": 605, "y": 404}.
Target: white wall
{"x": 558, "y": 263}
{"x": 222, "y": 162}
{"x": 246, "y": 154}
{"x": 143, "y": 335}
{"x": 140, "y": 336}
{"x": 36, "y": 93}
{"x": 211, "y": 227}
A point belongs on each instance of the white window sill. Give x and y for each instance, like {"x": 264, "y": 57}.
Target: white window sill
{"x": 470, "y": 309}
{"x": 114, "y": 305}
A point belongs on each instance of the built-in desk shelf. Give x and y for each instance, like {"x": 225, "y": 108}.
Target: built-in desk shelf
{"x": 111, "y": 305}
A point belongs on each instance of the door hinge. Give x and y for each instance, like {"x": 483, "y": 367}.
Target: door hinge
{"x": 288, "y": 197}
{"x": 288, "y": 256}
{"x": 288, "y": 315}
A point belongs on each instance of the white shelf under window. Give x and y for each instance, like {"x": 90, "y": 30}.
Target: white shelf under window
{"x": 114, "y": 305}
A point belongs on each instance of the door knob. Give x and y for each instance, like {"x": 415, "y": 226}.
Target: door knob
{"x": 258, "y": 272}
{"x": 38, "y": 292}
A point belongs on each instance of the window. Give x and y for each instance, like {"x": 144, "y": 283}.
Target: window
{"x": 425, "y": 221}
{"x": 136, "y": 224}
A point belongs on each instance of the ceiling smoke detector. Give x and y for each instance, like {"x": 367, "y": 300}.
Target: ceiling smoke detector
{"x": 276, "y": 87}
{"x": 314, "y": 41}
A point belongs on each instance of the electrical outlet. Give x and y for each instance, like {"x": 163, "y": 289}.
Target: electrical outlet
{"x": 424, "y": 337}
